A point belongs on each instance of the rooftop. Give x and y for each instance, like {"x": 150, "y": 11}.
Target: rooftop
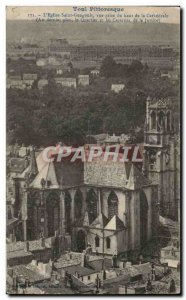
{"x": 81, "y": 271}
{"x": 19, "y": 247}
{"x": 27, "y": 271}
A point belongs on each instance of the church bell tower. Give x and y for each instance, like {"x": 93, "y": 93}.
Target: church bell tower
{"x": 159, "y": 153}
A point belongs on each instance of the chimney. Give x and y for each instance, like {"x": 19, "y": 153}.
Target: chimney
{"x": 27, "y": 246}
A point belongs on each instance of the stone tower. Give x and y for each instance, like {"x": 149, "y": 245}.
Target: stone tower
{"x": 160, "y": 153}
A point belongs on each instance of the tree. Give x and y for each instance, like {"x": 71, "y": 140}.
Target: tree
{"x": 108, "y": 67}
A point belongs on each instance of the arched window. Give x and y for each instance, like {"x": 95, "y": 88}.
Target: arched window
{"x": 112, "y": 205}
{"x": 92, "y": 205}
{"x": 96, "y": 241}
{"x": 168, "y": 121}
{"x": 68, "y": 211}
{"x": 78, "y": 200}
{"x": 153, "y": 120}
{"x": 108, "y": 242}
{"x": 81, "y": 241}
{"x": 161, "y": 120}
{"x": 52, "y": 206}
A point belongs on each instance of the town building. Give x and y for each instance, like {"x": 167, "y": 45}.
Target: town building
{"x": 83, "y": 80}
{"x": 97, "y": 52}
{"x": 117, "y": 87}
{"x": 15, "y": 84}
{"x": 66, "y": 82}
{"x": 32, "y": 77}
{"x": 42, "y": 83}
{"x": 95, "y": 73}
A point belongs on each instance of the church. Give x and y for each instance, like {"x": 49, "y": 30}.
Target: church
{"x": 111, "y": 206}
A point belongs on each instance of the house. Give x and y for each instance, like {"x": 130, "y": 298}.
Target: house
{"x": 66, "y": 82}
{"x": 83, "y": 80}
{"x": 15, "y": 84}
{"x": 31, "y": 77}
{"x": 117, "y": 87}
{"x": 171, "y": 256}
{"x": 117, "y": 139}
{"x": 42, "y": 83}
{"x": 24, "y": 252}
{"x": 95, "y": 73}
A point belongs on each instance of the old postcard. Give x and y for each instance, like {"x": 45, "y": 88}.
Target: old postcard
{"x": 93, "y": 150}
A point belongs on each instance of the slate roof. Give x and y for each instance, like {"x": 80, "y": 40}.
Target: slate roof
{"x": 82, "y": 271}
{"x": 48, "y": 174}
{"x": 118, "y": 175}
{"x": 136, "y": 179}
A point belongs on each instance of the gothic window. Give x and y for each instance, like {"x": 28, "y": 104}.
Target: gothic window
{"x": 112, "y": 205}
{"x": 108, "y": 242}
{"x": 92, "y": 205}
{"x": 81, "y": 241}
{"x": 153, "y": 120}
{"x": 68, "y": 211}
{"x": 52, "y": 206}
{"x": 78, "y": 200}
{"x": 97, "y": 241}
{"x": 161, "y": 120}
{"x": 168, "y": 121}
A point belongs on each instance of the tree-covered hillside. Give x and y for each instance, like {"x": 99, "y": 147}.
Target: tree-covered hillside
{"x": 66, "y": 114}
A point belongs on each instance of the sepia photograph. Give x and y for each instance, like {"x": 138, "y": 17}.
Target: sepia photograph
{"x": 93, "y": 139}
